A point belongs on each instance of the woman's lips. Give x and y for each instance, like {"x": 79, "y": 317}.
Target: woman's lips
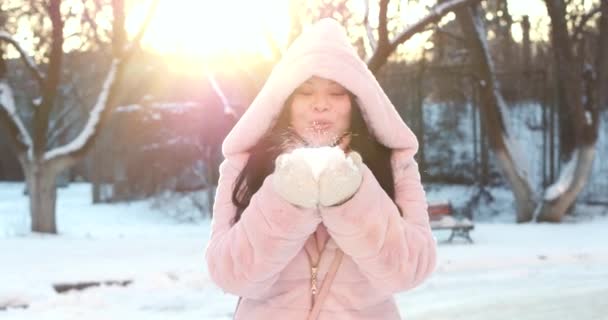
{"x": 321, "y": 125}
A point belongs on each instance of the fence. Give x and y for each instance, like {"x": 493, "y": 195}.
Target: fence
{"x": 441, "y": 105}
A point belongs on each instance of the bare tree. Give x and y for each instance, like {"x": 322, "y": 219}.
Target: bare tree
{"x": 602, "y": 63}
{"x": 578, "y": 126}
{"x": 493, "y": 111}
{"x": 578, "y": 130}
{"x": 384, "y": 47}
{"x": 578, "y": 121}
{"x": 40, "y": 164}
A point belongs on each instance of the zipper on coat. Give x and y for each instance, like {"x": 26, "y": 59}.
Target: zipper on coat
{"x": 313, "y": 282}
{"x": 314, "y": 258}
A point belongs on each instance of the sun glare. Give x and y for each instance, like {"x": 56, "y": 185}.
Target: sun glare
{"x": 205, "y": 28}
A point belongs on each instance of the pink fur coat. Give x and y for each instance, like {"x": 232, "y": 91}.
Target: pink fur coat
{"x": 262, "y": 257}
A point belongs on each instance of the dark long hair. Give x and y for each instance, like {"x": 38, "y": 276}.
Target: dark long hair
{"x": 262, "y": 156}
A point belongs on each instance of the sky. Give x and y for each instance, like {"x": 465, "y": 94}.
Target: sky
{"x": 202, "y": 29}
{"x": 210, "y": 27}
{"x": 206, "y": 27}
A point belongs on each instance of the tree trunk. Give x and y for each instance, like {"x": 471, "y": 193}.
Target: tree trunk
{"x": 561, "y": 196}
{"x": 526, "y": 44}
{"x": 419, "y": 105}
{"x": 96, "y": 168}
{"x": 211, "y": 175}
{"x": 41, "y": 166}
{"x": 42, "y": 188}
{"x": 568, "y": 80}
{"x": 506, "y": 38}
{"x": 385, "y": 47}
{"x": 602, "y": 64}
{"x": 211, "y": 190}
{"x": 578, "y": 121}
{"x": 492, "y": 107}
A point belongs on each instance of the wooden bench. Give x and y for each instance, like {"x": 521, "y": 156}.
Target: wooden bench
{"x": 441, "y": 215}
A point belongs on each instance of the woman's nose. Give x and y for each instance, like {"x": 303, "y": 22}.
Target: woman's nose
{"x": 320, "y": 107}
{"x": 320, "y": 104}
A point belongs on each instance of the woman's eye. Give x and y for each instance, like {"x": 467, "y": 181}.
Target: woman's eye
{"x": 338, "y": 94}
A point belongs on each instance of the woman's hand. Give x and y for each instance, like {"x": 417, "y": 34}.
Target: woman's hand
{"x": 299, "y": 180}
{"x": 293, "y": 179}
{"x": 340, "y": 180}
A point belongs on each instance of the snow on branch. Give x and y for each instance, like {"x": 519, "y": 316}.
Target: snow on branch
{"x": 368, "y": 27}
{"x": 6, "y": 97}
{"x": 435, "y": 14}
{"x": 565, "y": 180}
{"x": 216, "y": 88}
{"x": 91, "y": 126}
{"x": 29, "y": 62}
{"x": 8, "y": 113}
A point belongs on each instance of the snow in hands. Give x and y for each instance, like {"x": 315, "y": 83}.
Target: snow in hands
{"x": 318, "y": 158}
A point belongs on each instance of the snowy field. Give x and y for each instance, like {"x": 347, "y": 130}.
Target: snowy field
{"x": 532, "y": 271}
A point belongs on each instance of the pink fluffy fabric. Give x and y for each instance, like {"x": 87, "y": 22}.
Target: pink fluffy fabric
{"x": 263, "y": 257}
{"x": 322, "y": 50}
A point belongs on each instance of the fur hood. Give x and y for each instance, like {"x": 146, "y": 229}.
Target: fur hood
{"x": 322, "y": 50}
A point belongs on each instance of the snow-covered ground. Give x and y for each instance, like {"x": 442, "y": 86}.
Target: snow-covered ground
{"x": 532, "y": 271}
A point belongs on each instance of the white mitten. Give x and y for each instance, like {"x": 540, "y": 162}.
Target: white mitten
{"x": 340, "y": 179}
{"x": 293, "y": 179}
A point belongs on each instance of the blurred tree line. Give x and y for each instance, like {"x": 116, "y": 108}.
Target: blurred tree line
{"x": 163, "y": 129}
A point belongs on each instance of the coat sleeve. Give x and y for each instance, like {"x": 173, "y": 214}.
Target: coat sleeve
{"x": 245, "y": 258}
{"x": 395, "y": 253}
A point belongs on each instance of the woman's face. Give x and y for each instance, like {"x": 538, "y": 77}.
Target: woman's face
{"x": 320, "y": 111}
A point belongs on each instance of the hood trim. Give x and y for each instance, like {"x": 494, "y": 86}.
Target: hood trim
{"x": 333, "y": 58}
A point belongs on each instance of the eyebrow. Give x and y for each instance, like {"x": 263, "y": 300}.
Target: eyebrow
{"x": 331, "y": 83}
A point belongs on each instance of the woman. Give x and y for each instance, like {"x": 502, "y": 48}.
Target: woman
{"x": 297, "y": 239}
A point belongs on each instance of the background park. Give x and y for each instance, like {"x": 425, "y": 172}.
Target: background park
{"x": 112, "y": 115}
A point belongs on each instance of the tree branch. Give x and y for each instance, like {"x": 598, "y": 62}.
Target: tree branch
{"x": 18, "y": 133}
{"x": 218, "y": 91}
{"x": 29, "y": 62}
{"x": 382, "y": 24}
{"x": 86, "y": 16}
{"x": 277, "y": 52}
{"x": 450, "y": 34}
{"x": 50, "y": 89}
{"x": 435, "y": 14}
{"x": 60, "y": 126}
{"x": 584, "y": 19}
{"x": 370, "y": 33}
{"x": 493, "y": 112}
{"x": 119, "y": 34}
{"x": 601, "y": 63}
{"x": 142, "y": 31}
{"x": 69, "y": 153}
{"x": 7, "y": 120}
{"x": 384, "y": 50}
{"x": 91, "y": 127}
